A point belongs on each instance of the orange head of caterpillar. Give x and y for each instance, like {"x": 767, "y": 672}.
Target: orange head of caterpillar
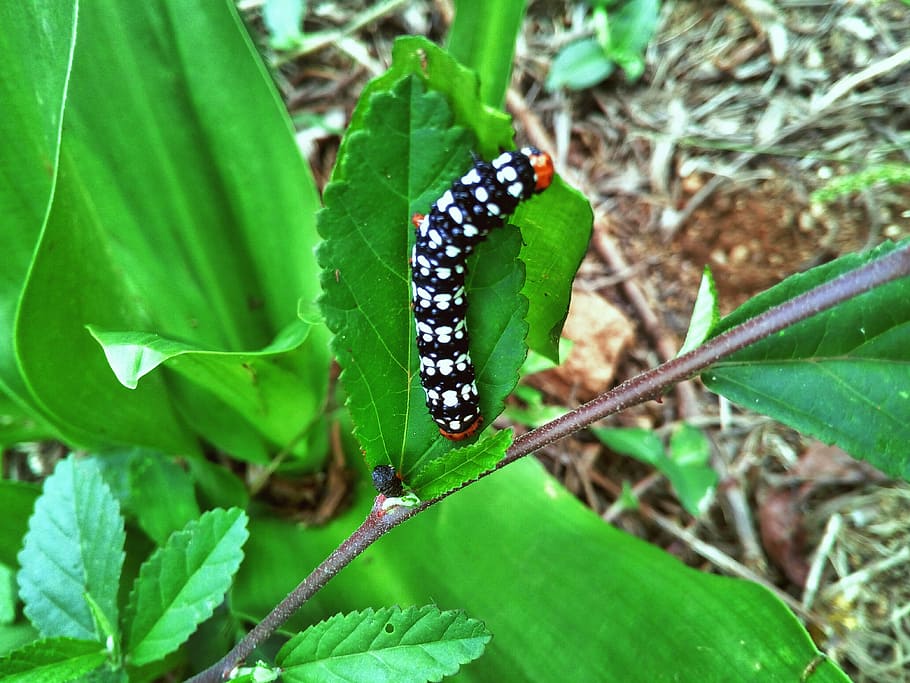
{"x": 542, "y": 163}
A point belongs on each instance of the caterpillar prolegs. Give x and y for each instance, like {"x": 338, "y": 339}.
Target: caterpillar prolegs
{"x": 458, "y": 221}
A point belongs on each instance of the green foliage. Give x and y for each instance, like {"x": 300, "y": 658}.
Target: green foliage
{"x": 840, "y": 376}
{"x": 402, "y": 149}
{"x": 890, "y": 174}
{"x": 685, "y": 463}
{"x": 71, "y": 571}
{"x": 166, "y": 209}
{"x": 621, "y": 36}
{"x": 411, "y": 646}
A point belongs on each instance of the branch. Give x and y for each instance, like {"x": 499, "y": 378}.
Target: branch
{"x": 651, "y": 384}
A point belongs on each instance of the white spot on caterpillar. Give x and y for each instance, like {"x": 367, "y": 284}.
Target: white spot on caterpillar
{"x": 456, "y": 215}
{"x": 445, "y": 366}
{"x": 481, "y": 194}
{"x": 435, "y": 237}
{"x": 501, "y": 160}
{"x": 445, "y": 201}
{"x": 421, "y": 260}
{"x": 493, "y": 209}
{"x": 515, "y": 189}
{"x": 472, "y": 177}
{"x": 507, "y": 174}
{"x": 450, "y": 398}
{"x": 470, "y": 230}
{"x": 443, "y": 273}
{"x": 452, "y": 251}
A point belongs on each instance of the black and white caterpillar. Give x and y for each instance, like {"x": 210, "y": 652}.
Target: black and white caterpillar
{"x": 459, "y": 220}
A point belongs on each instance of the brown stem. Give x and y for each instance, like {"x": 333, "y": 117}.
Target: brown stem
{"x": 649, "y": 385}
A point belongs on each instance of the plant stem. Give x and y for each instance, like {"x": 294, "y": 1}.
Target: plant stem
{"x": 651, "y": 384}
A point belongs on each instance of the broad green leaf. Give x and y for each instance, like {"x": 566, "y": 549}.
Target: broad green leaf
{"x": 55, "y": 660}
{"x": 389, "y": 644}
{"x": 705, "y": 313}
{"x": 262, "y": 387}
{"x": 518, "y": 551}
{"x": 37, "y": 54}
{"x": 579, "y": 65}
{"x": 534, "y": 412}
{"x": 482, "y": 37}
{"x": 74, "y": 546}
{"x": 180, "y": 209}
{"x": 18, "y": 502}
{"x": 180, "y": 585}
{"x": 641, "y": 444}
{"x": 841, "y": 376}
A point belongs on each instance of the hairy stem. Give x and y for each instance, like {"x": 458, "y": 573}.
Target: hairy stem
{"x": 649, "y": 385}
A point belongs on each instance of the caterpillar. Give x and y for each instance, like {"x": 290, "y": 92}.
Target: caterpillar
{"x": 458, "y": 221}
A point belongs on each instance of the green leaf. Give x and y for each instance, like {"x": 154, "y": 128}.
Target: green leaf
{"x": 482, "y": 37}
{"x": 632, "y": 28}
{"x": 163, "y": 498}
{"x": 283, "y": 19}
{"x": 686, "y": 464}
{"x": 37, "y": 46}
{"x": 460, "y": 465}
{"x": 74, "y": 546}
{"x": 579, "y": 65}
{"x": 55, "y": 660}
{"x": 180, "y": 585}
{"x": 390, "y": 644}
{"x": 401, "y": 152}
{"x": 535, "y": 412}
{"x": 689, "y": 468}
{"x": 840, "y": 376}
{"x": 18, "y": 502}
{"x": 555, "y": 230}
{"x": 261, "y": 387}
{"x": 705, "y": 313}
{"x": 180, "y": 209}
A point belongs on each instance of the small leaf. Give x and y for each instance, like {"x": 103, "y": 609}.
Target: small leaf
{"x": 74, "y": 546}
{"x": 705, "y": 313}
{"x": 180, "y": 585}
{"x": 460, "y": 465}
{"x": 632, "y": 28}
{"x": 18, "y": 502}
{"x": 163, "y": 497}
{"x": 283, "y": 19}
{"x": 54, "y": 660}
{"x": 641, "y": 444}
{"x": 390, "y": 644}
{"x": 689, "y": 469}
{"x": 579, "y": 65}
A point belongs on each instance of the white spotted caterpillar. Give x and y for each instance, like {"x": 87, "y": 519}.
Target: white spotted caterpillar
{"x": 459, "y": 220}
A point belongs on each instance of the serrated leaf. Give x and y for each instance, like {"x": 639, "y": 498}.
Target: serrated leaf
{"x": 74, "y": 546}
{"x": 400, "y": 152}
{"x": 460, "y": 465}
{"x": 180, "y": 585}
{"x": 840, "y": 376}
{"x": 54, "y": 660}
{"x": 705, "y": 313}
{"x": 367, "y": 280}
{"x": 390, "y": 644}
{"x": 163, "y": 498}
